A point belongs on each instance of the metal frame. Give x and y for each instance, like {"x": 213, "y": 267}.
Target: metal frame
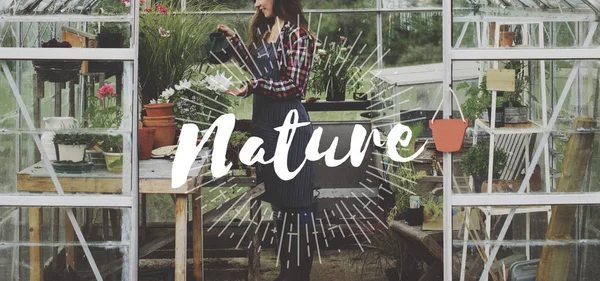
{"x": 517, "y": 199}
{"x": 129, "y": 199}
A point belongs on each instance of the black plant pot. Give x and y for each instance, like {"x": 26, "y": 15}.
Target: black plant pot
{"x": 499, "y": 120}
{"x": 478, "y": 181}
{"x": 337, "y": 91}
{"x": 414, "y": 216}
{"x": 109, "y": 68}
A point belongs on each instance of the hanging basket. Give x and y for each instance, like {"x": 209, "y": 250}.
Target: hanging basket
{"x": 448, "y": 134}
{"x": 57, "y": 71}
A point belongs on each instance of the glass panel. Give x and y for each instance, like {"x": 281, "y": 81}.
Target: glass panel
{"x": 62, "y": 7}
{"x": 412, "y": 38}
{"x": 77, "y": 35}
{"x": 43, "y": 241}
{"x": 518, "y": 136}
{"x": 520, "y": 31}
{"x": 566, "y": 243}
{"x": 67, "y": 115}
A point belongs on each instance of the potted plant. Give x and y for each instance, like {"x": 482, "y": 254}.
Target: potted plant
{"x": 516, "y": 110}
{"x": 71, "y": 146}
{"x": 476, "y": 162}
{"x": 432, "y": 208}
{"x": 334, "y": 72}
{"x": 58, "y": 71}
{"x": 113, "y": 152}
{"x": 479, "y": 101}
{"x": 160, "y": 117}
{"x": 102, "y": 112}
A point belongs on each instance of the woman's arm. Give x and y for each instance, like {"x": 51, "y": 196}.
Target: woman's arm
{"x": 294, "y": 70}
{"x": 240, "y": 53}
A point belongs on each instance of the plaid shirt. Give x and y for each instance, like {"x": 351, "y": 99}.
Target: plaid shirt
{"x": 294, "y": 58}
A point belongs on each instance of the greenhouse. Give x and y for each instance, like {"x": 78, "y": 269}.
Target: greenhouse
{"x": 299, "y": 140}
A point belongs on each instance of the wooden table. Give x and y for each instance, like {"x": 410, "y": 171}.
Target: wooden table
{"x": 154, "y": 178}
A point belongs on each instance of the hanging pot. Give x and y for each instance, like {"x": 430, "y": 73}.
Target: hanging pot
{"x": 448, "y": 134}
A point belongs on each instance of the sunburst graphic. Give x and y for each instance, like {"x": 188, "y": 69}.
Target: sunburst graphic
{"x": 357, "y": 213}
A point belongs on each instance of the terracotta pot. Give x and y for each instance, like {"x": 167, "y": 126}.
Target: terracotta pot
{"x": 448, "y": 134}
{"x": 165, "y": 135}
{"x": 145, "y": 141}
{"x": 158, "y": 121}
{"x": 159, "y": 109}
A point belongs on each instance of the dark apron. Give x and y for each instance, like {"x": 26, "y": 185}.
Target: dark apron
{"x": 268, "y": 114}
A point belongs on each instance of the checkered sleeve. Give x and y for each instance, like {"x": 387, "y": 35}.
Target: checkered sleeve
{"x": 295, "y": 64}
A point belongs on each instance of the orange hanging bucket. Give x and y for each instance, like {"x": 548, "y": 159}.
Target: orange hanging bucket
{"x": 448, "y": 134}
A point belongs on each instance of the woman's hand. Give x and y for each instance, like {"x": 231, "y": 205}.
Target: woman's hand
{"x": 225, "y": 30}
{"x": 239, "y": 92}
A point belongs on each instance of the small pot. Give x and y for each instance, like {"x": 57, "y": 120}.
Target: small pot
{"x": 75, "y": 153}
{"x": 478, "y": 181}
{"x": 158, "y": 121}
{"x": 159, "y": 109}
{"x": 165, "y": 135}
{"x": 145, "y": 142}
{"x": 499, "y": 120}
{"x": 114, "y": 161}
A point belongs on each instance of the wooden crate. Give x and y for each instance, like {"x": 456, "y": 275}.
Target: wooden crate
{"x": 79, "y": 39}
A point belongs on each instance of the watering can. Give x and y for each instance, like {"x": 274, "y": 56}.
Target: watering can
{"x": 217, "y": 45}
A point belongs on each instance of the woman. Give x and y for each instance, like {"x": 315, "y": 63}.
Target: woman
{"x": 279, "y": 56}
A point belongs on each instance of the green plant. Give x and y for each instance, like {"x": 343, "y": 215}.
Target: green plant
{"x": 335, "y": 66}
{"x": 403, "y": 180}
{"x": 72, "y": 138}
{"x": 478, "y": 99}
{"x": 200, "y": 103}
{"x": 112, "y": 143}
{"x": 476, "y": 160}
{"x": 432, "y": 208}
{"x": 515, "y": 99}
{"x": 171, "y": 46}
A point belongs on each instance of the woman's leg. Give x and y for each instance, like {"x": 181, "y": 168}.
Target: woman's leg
{"x": 296, "y": 247}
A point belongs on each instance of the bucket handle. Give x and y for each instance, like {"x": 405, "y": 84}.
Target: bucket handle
{"x": 457, "y": 103}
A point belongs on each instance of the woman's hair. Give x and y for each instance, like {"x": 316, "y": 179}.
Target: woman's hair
{"x": 288, "y": 10}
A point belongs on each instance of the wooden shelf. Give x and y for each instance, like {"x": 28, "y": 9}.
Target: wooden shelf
{"x": 526, "y": 128}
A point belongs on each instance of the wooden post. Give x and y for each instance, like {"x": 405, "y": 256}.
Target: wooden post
{"x": 57, "y": 99}
{"x": 555, "y": 260}
{"x": 72, "y": 98}
{"x": 197, "y": 234}
{"x": 38, "y": 94}
{"x": 35, "y": 252}
{"x": 254, "y": 253}
{"x": 181, "y": 209}
{"x": 69, "y": 237}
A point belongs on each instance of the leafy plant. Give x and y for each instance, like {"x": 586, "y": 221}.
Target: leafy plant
{"x": 476, "y": 160}
{"x": 404, "y": 176}
{"x": 478, "y": 99}
{"x": 72, "y": 138}
{"x": 170, "y": 46}
{"x": 432, "y": 208}
{"x": 333, "y": 67}
{"x": 238, "y": 139}
{"x": 515, "y": 99}
{"x": 199, "y": 102}
{"x": 112, "y": 143}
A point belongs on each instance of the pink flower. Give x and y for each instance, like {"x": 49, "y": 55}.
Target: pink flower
{"x": 106, "y": 90}
{"x": 342, "y": 38}
{"x": 161, "y": 9}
